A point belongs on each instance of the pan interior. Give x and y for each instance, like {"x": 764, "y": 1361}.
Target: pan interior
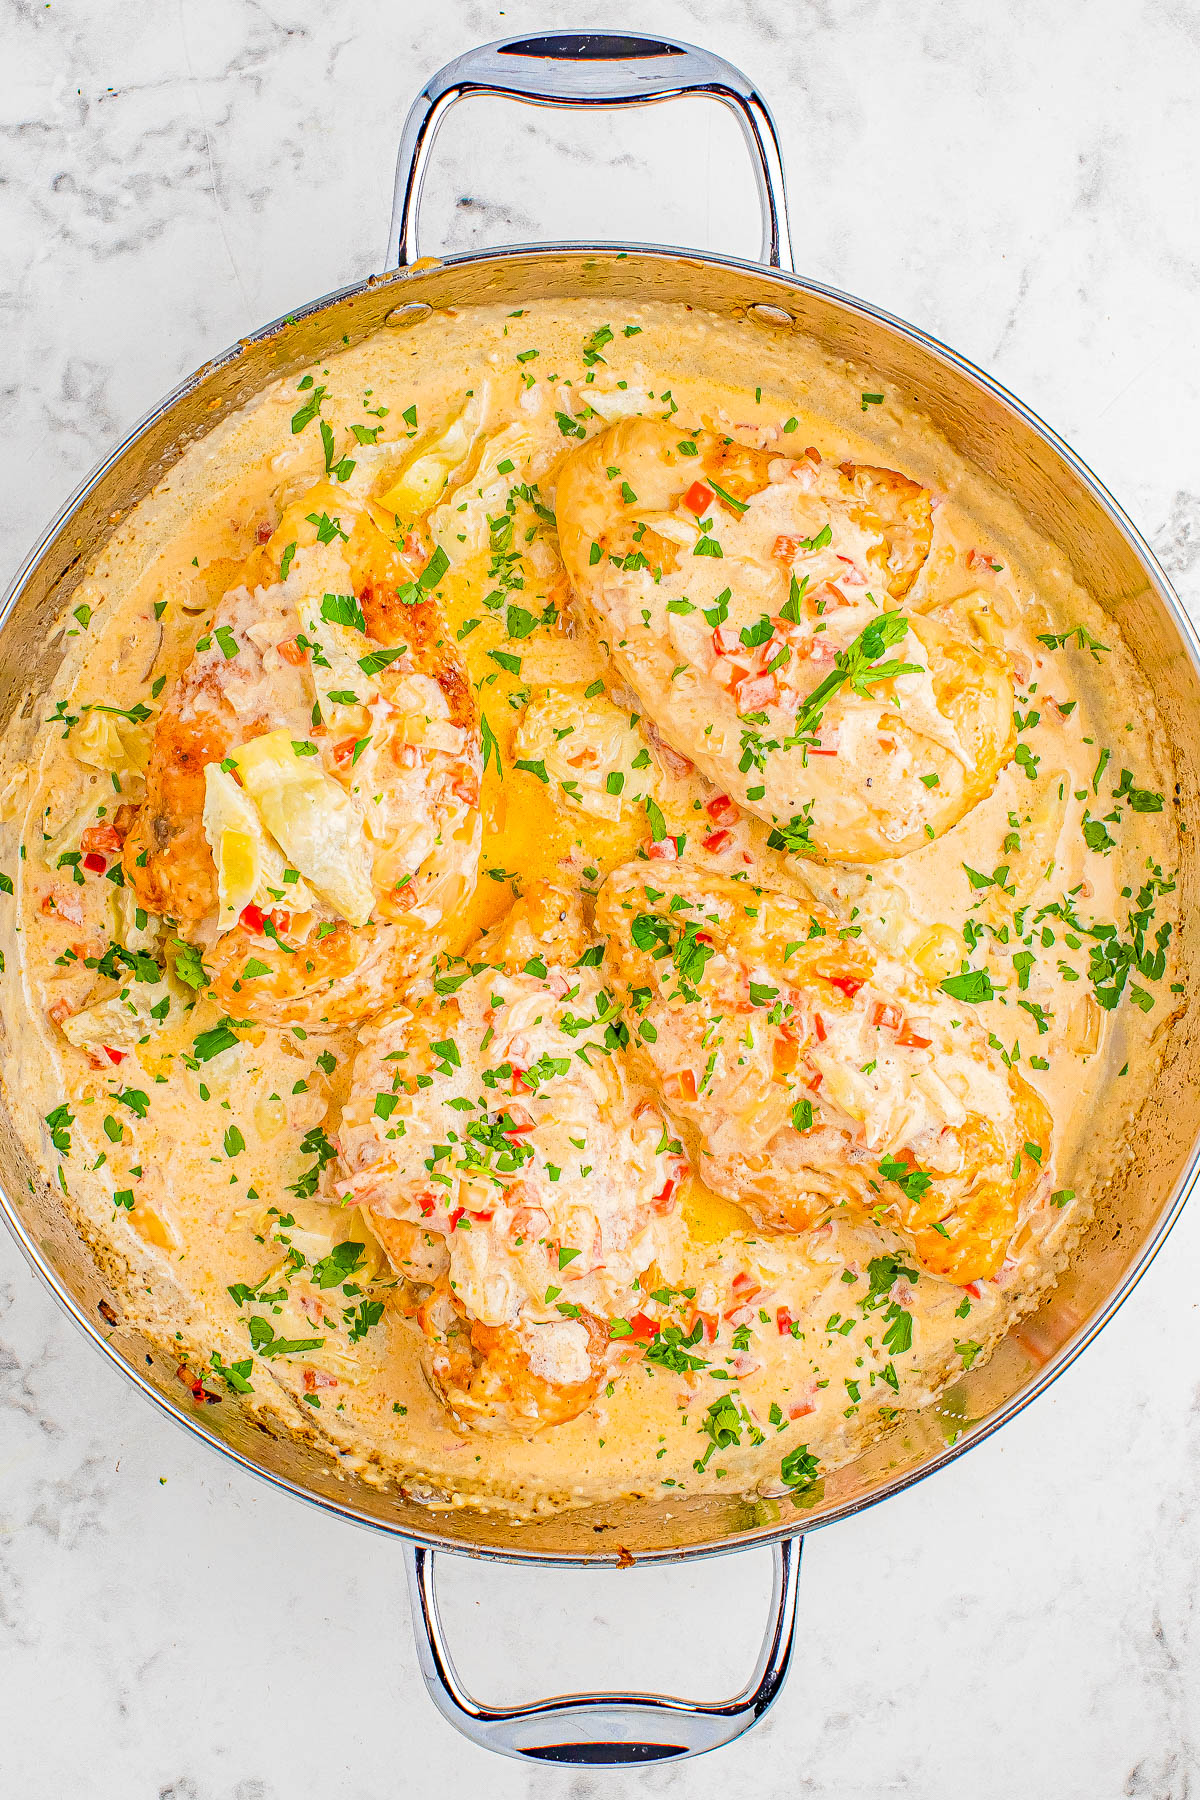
{"x": 1137, "y": 1197}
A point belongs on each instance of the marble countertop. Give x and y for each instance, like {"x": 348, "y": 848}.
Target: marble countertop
{"x": 1021, "y": 180}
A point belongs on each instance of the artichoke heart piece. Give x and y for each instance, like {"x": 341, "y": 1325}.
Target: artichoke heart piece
{"x": 312, "y": 819}
{"x": 121, "y": 1021}
{"x": 99, "y": 742}
{"x": 461, "y": 523}
{"x": 250, "y": 868}
{"x": 423, "y": 479}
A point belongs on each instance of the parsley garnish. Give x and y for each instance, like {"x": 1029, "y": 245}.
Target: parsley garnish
{"x": 210, "y": 1043}
{"x": 856, "y": 665}
{"x": 800, "y": 1468}
{"x": 972, "y": 985}
{"x": 189, "y": 965}
{"x": 343, "y": 609}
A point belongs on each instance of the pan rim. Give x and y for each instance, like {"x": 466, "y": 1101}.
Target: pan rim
{"x": 784, "y": 282}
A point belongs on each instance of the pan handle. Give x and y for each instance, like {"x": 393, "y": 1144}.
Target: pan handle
{"x": 582, "y": 1729}
{"x": 589, "y": 69}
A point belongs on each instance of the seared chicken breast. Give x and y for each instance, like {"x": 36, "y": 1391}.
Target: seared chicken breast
{"x": 814, "y": 1075}
{"x": 522, "y": 1183}
{"x": 311, "y": 813}
{"x": 754, "y": 604}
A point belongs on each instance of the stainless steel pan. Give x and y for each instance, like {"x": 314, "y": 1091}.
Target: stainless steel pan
{"x": 1142, "y": 1196}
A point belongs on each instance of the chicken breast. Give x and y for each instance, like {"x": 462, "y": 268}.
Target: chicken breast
{"x": 522, "y": 1183}
{"x": 311, "y": 814}
{"x": 753, "y": 604}
{"x": 812, "y": 1074}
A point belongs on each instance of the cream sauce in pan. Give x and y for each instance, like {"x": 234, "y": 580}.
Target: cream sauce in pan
{"x": 204, "y": 1152}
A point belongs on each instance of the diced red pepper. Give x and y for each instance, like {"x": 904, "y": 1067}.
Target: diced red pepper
{"x": 642, "y": 1327}
{"x": 717, "y": 840}
{"x": 883, "y": 1013}
{"x": 483, "y": 1217}
{"x": 455, "y": 1216}
{"x": 785, "y": 1053}
{"x": 753, "y": 692}
{"x": 787, "y": 549}
{"x": 293, "y": 653}
{"x": 680, "y": 1085}
{"x": 519, "y": 1121}
{"x": 796, "y": 639}
{"x": 114, "y": 1056}
{"x": 783, "y": 1321}
{"x": 343, "y": 751}
{"x": 848, "y": 984}
{"x": 708, "y": 1322}
{"x": 982, "y": 559}
{"x": 819, "y": 1028}
{"x": 912, "y": 1040}
{"x": 252, "y": 918}
{"x": 697, "y": 498}
{"x": 724, "y": 643}
{"x": 95, "y": 863}
{"x": 666, "y": 851}
{"x": 722, "y": 810}
{"x": 193, "y": 1382}
{"x": 519, "y": 1083}
{"x": 827, "y": 595}
{"x": 662, "y": 1200}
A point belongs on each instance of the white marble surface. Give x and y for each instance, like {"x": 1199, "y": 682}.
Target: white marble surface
{"x": 1021, "y": 179}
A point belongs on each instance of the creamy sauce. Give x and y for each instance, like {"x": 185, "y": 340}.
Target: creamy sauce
{"x": 203, "y": 1145}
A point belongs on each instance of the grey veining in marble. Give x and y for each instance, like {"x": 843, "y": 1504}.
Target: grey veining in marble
{"x": 1021, "y": 179}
